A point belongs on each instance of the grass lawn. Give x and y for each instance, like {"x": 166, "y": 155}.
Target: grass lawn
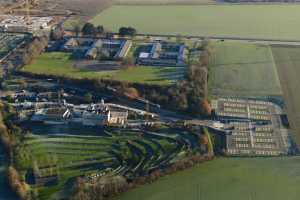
{"x": 228, "y": 179}
{"x": 253, "y": 21}
{"x": 243, "y": 69}
{"x": 151, "y": 75}
{"x": 60, "y": 64}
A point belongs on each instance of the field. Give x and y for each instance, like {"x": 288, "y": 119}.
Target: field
{"x": 249, "y": 21}
{"x": 243, "y": 69}
{"x": 162, "y": 2}
{"x": 60, "y": 64}
{"x": 287, "y": 62}
{"x": 228, "y": 179}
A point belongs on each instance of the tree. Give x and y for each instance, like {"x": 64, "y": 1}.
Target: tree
{"x": 128, "y": 62}
{"x": 100, "y": 30}
{"x": 131, "y": 92}
{"x": 206, "y": 107}
{"x": 57, "y": 33}
{"x": 88, "y": 29}
{"x": 77, "y": 30}
{"x": 20, "y": 187}
{"x": 127, "y": 31}
{"x": 88, "y": 97}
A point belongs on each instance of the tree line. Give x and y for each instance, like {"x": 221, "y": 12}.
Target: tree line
{"x": 26, "y": 54}
{"x": 10, "y": 136}
{"x": 89, "y": 29}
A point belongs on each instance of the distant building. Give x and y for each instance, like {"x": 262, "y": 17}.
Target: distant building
{"x": 16, "y": 23}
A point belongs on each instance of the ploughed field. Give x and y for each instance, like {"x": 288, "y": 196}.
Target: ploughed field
{"x": 227, "y": 179}
{"x": 247, "y": 21}
{"x": 287, "y": 59}
{"x": 61, "y": 64}
{"x": 68, "y": 153}
{"x": 242, "y": 69}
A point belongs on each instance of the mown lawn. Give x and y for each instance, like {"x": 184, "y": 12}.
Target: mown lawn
{"x": 60, "y": 64}
{"x": 253, "y": 21}
{"x": 228, "y": 179}
{"x": 151, "y": 75}
{"x": 242, "y": 69}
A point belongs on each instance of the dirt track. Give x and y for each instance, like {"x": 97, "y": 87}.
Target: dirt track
{"x": 287, "y": 60}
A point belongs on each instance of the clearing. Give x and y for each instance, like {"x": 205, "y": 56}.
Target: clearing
{"x": 243, "y": 69}
{"x": 61, "y": 64}
{"x": 288, "y": 65}
{"x": 227, "y": 179}
{"x": 248, "y": 21}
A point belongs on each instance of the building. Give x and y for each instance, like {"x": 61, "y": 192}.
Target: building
{"x": 52, "y": 115}
{"x": 117, "y": 117}
{"x": 90, "y": 48}
{"x": 16, "y": 23}
{"x": 163, "y": 54}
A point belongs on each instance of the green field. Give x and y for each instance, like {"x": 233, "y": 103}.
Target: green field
{"x": 287, "y": 62}
{"x": 243, "y": 69}
{"x": 250, "y": 21}
{"x": 228, "y": 179}
{"x": 60, "y": 64}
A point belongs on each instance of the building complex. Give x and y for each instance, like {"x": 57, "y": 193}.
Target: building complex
{"x": 90, "y": 48}
{"x": 162, "y": 54}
